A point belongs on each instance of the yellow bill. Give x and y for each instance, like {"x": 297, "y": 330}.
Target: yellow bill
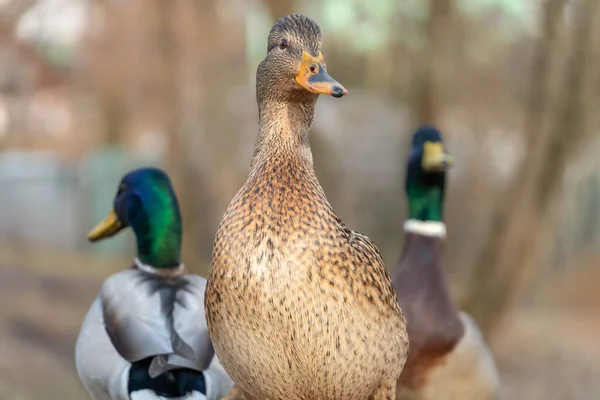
{"x": 434, "y": 157}
{"x": 107, "y": 228}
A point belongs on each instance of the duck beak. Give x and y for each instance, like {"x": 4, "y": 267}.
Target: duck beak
{"x": 314, "y": 77}
{"x": 107, "y": 228}
{"x": 434, "y": 158}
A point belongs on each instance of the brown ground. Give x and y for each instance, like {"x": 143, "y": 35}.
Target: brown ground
{"x": 543, "y": 354}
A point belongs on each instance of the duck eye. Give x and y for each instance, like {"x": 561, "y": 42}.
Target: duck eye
{"x": 283, "y": 44}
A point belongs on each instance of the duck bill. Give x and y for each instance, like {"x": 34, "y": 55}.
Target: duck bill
{"x": 435, "y": 159}
{"x": 107, "y": 228}
{"x": 314, "y": 77}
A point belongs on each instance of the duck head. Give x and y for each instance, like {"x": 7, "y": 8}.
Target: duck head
{"x": 146, "y": 202}
{"x": 426, "y": 175}
{"x": 294, "y": 67}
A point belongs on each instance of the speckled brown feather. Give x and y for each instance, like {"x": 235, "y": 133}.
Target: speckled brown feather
{"x": 433, "y": 322}
{"x": 298, "y": 305}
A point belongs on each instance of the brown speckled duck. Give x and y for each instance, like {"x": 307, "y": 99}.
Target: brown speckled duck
{"x": 448, "y": 358}
{"x": 299, "y": 306}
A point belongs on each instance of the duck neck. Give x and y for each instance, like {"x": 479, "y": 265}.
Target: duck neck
{"x": 425, "y": 202}
{"x": 426, "y": 248}
{"x": 425, "y": 210}
{"x": 425, "y": 192}
{"x": 158, "y": 237}
{"x": 284, "y": 122}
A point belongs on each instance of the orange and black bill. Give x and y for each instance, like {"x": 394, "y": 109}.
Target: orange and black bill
{"x": 314, "y": 77}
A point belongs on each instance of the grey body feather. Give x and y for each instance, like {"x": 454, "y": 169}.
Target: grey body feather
{"x": 135, "y": 308}
{"x": 102, "y": 370}
{"x": 148, "y": 315}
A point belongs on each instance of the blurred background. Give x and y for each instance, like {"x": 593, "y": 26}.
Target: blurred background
{"x": 92, "y": 88}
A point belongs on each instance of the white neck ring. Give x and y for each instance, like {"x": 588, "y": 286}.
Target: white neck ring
{"x": 159, "y": 271}
{"x": 425, "y": 228}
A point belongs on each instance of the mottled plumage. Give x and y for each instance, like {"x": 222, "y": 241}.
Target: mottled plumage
{"x": 299, "y": 306}
{"x": 448, "y": 358}
{"x": 145, "y": 336}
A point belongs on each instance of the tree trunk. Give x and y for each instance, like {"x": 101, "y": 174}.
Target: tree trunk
{"x": 168, "y": 104}
{"x": 219, "y": 57}
{"x": 515, "y": 227}
{"x": 432, "y": 65}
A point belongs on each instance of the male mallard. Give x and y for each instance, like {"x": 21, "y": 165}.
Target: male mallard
{"x": 145, "y": 335}
{"x": 448, "y": 358}
{"x": 298, "y": 305}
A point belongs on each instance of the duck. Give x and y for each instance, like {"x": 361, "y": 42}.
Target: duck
{"x": 145, "y": 335}
{"x": 299, "y": 306}
{"x": 448, "y": 357}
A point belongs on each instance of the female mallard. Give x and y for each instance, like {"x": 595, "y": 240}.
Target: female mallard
{"x": 298, "y": 305}
{"x": 145, "y": 335}
{"x": 448, "y": 358}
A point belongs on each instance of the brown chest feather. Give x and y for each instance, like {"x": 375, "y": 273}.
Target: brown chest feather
{"x": 434, "y": 326}
{"x": 282, "y": 214}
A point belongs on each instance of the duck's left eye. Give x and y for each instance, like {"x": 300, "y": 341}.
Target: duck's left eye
{"x": 283, "y": 44}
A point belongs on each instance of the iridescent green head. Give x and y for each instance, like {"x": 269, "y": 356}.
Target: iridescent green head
{"x": 146, "y": 202}
{"x": 426, "y": 175}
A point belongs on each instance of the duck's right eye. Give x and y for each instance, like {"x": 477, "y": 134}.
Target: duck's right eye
{"x": 283, "y": 44}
